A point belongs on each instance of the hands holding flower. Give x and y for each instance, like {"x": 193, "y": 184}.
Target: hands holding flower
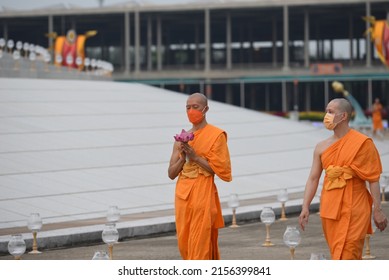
{"x": 184, "y": 137}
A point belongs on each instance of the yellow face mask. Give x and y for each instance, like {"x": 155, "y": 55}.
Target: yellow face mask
{"x": 329, "y": 121}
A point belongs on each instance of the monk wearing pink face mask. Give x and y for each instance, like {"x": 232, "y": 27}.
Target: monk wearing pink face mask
{"x": 197, "y": 205}
{"x": 350, "y": 159}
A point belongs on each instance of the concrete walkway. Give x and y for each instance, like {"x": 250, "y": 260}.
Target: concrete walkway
{"x": 242, "y": 243}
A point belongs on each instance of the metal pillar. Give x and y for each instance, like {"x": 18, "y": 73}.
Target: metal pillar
{"x": 201, "y": 86}
{"x": 242, "y": 94}
{"x": 229, "y": 94}
{"x": 326, "y": 93}
{"x": 307, "y": 97}
{"x": 284, "y": 97}
{"x": 369, "y": 92}
{"x": 5, "y": 31}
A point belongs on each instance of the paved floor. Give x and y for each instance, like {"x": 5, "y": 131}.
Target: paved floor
{"x": 240, "y": 243}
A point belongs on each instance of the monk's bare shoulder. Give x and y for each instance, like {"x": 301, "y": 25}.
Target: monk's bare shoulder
{"x": 324, "y": 145}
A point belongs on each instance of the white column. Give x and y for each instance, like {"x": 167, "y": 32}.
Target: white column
{"x": 274, "y": 41}
{"x": 127, "y": 42}
{"x": 207, "y": 40}
{"x": 306, "y": 39}
{"x": 368, "y": 42}
{"x": 159, "y": 43}
{"x": 228, "y": 42}
{"x": 286, "y": 38}
{"x": 149, "y": 42}
{"x": 137, "y": 42}
{"x": 267, "y": 97}
{"x": 197, "y": 48}
{"x": 351, "y": 37}
{"x": 51, "y": 30}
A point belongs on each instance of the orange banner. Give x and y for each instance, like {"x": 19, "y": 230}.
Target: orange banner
{"x": 326, "y": 68}
{"x": 386, "y": 44}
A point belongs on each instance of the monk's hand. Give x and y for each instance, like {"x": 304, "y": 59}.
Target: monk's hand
{"x": 181, "y": 151}
{"x": 303, "y": 218}
{"x": 189, "y": 151}
{"x": 380, "y": 219}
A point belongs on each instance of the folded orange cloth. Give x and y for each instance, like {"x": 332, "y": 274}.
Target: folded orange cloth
{"x": 337, "y": 176}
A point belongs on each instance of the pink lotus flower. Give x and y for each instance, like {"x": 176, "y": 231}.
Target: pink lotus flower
{"x": 184, "y": 136}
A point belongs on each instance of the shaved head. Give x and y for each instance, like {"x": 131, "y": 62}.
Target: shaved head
{"x": 200, "y": 98}
{"x": 344, "y": 106}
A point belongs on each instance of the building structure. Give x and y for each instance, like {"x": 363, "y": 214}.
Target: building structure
{"x": 264, "y": 55}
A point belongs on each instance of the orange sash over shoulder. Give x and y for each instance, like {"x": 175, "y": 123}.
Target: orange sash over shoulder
{"x": 338, "y": 162}
{"x": 345, "y": 205}
{"x": 198, "y": 209}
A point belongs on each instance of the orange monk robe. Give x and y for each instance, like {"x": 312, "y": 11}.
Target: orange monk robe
{"x": 346, "y": 203}
{"x": 377, "y": 117}
{"x": 198, "y": 210}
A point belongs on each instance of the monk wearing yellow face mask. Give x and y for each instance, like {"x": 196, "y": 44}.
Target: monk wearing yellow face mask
{"x": 197, "y": 205}
{"x": 350, "y": 159}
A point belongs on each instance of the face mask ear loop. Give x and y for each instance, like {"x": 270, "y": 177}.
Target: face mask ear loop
{"x": 340, "y": 120}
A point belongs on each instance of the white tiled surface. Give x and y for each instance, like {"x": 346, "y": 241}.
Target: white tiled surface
{"x": 69, "y": 149}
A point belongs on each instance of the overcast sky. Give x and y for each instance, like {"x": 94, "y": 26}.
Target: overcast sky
{"x": 33, "y": 4}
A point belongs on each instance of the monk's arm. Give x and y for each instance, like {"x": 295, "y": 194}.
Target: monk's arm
{"x": 375, "y": 193}
{"x": 311, "y": 187}
{"x": 202, "y": 162}
{"x": 177, "y": 161}
{"x": 379, "y": 217}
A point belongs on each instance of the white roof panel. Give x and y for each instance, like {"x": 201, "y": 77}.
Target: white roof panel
{"x": 69, "y": 149}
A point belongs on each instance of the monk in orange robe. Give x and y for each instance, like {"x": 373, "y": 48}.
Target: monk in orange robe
{"x": 197, "y": 206}
{"x": 350, "y": 159}
{"x": 377, "y": 117}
